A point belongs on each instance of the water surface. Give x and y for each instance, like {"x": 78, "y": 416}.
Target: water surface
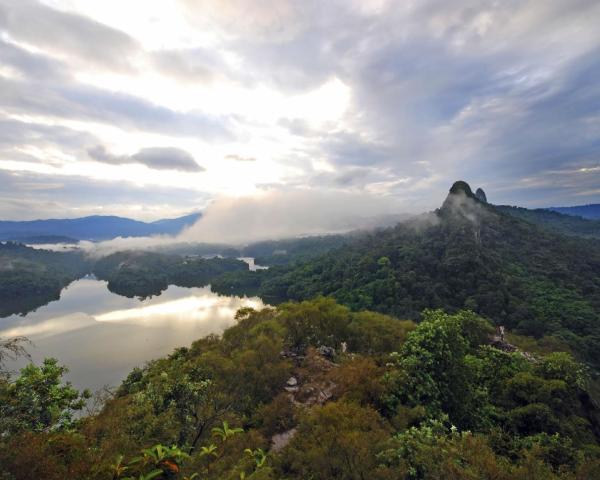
{"x": 101, "y": 336}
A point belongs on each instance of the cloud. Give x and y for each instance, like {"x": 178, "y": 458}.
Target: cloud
{"x": 167, "y": 158}
{"x": 273, "y": 214}
{"x": 58, "y": 95}
{"x": 92, "y": 104}
{"x": 31, "y": 196}
{"x": 286, "y": 213}
{"x": 160, "y": 158}
{"x": 17, "y": 133}
{"x": 28, "y": 64}
{"x": 493, "y": 91}
{"x": 501, "y": 93}
{"x": 196, "y": 65}
{"x": 239, "y": 158}
{"x": 67, "y": 34}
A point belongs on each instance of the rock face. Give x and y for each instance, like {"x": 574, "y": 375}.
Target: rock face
{"x": 280, "y": 440}
{"x": 461, "y": 186}
{"x": 292, "y": 382}
{"x": 327, "y": 352}
{"x": 480, "y": 195}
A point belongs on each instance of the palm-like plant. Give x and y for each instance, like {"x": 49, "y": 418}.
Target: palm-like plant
{"x": 210, "y": 450}
{"x": 259, "y": 456}
{"x": 226, "y": 431}
{"x": 159, "y": 454}
{"x": 160, "y": 458}
{"x": 119, "y": 468}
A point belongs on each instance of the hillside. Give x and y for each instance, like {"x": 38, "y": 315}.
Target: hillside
{"x": 96, "y": 227}
{"x": 591, "y": 211}
{"x": 554, "y": 221}
{"x": 315, "y": 391}
{"x": 467, "y": 254}
{"x": 402, "y": 375}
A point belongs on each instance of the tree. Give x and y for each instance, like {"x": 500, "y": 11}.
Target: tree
{"x": 339, "y": 440}
{"x": 38, "y": 400}
{"x": 11, "y": 349}
{"x": 432, "y": 367}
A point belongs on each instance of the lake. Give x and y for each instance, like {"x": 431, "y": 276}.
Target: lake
{"x": 101, "y": 336}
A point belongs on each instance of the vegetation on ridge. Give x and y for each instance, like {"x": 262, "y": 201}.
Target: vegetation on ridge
{"x": 433, "y": 400}
{"x": 468, "y": 254}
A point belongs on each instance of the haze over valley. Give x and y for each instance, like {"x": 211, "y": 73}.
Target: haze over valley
{"x": 283, "y": 240}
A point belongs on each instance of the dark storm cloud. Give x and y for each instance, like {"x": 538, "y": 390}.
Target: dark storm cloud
{"x": 66, "y": 34}
{"x": 160, "y": 158}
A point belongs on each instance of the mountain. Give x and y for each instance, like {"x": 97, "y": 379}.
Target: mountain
{"x": 326, "y": 389}
{"x": 97, "y": 227}
{"x": 586, "y": 211}
{"x": 467, "y": 254}
{"x": 555, "y": 221}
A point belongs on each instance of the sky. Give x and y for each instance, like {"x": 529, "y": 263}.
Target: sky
{"x": 152, "y": 109}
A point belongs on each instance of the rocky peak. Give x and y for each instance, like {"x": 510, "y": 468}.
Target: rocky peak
{"x": 480, "y": 195}
{"x": 461, "y": 186}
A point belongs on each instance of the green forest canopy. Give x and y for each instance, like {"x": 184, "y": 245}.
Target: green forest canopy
{"x": 405, "y": 400}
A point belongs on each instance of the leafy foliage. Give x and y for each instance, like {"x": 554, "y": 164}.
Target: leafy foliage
{"x": 144, "y": 274}
{"x": 433, "y": 400}
{"x": 326, "y": 388}
{"x": 38, "y": 401}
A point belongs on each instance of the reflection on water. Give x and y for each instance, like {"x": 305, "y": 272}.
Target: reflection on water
{"x": 101, "y": 336}
{"x": 253, "y": 266}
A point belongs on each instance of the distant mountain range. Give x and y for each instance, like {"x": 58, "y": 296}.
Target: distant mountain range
{"x": 97, "y": 227}
{"x": 591, "y": 211}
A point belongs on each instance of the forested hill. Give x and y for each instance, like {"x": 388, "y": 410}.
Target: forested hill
{"x": 467, "y": 254}
{"x": 555, "y": 221}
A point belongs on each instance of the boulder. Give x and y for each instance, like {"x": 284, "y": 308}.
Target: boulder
{"x": 327, "y": 352}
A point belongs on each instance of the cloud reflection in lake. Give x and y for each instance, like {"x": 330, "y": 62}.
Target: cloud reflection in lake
{"x": 101, "y": 336}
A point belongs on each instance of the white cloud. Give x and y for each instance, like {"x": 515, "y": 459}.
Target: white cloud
{"x": 388, "y": 98}
{"x": 287, "y": 213}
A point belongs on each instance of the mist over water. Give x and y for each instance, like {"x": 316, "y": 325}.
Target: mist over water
{"x": 270, "y": 215}
{"x": 277, "y": 214}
